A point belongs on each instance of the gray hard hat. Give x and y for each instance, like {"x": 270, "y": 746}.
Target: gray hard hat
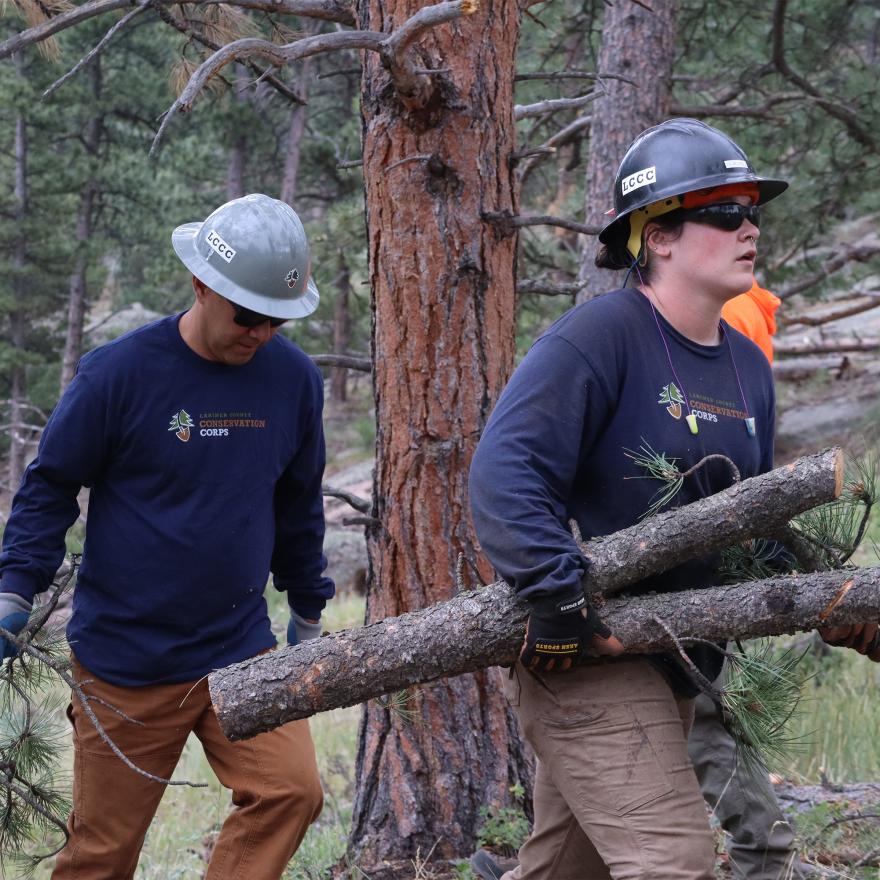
{"x": 254, "y": 252}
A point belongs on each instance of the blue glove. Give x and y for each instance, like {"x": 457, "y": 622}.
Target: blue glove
{"x": 301, "y": 630}
{"x": 14, "y": 613}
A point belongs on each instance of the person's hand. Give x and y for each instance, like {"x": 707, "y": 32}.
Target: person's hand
{"x": 301, "y": 629}
{"x": 862, "y": 637}
{"x": 14, "y": 613}
{"x": 561, "y": 631}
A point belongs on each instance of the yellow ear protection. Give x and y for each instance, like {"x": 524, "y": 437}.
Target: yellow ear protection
{"x": 641, "y": 216}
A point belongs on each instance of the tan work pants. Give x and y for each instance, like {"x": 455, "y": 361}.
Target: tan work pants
{"x": 615, "y": 793}
{"x": 274, "y": 780}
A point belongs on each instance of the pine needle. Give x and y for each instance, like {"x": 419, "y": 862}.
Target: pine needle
{"x": 752, "y": 560}
{"x": 657, "y": 467}
{"x": 837, "y": 529}
{"x": 760, "y": 696}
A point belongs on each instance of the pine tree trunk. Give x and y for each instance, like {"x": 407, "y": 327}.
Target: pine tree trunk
{"x": 480, "y": 629}
{"x": 237, "y": 163}
{"x": 78, "y": 292}
{"x": 18, "y": 378}
{"x": 443, "y": 300}
{"x": 296, "y": 129}
{"x": 638, "y": 44}
{"x": 341, "y": 329}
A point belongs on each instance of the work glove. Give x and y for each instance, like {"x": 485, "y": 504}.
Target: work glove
{"x": 861, "y": 637}
{"x": 301, "y": 630}
{"x": 559, "y": 632}
{"x": 14, "y": 613}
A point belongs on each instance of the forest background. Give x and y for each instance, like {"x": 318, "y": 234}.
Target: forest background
{"x": 85, "y": 222}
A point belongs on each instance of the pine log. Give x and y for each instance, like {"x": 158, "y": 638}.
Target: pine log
{"x": 476, "y": 630}
{"x": 486, "y": 628}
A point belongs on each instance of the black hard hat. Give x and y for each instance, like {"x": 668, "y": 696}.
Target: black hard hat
{"x": 676, "y": 157}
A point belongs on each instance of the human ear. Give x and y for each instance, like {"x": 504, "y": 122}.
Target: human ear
{"x": 657, "y": 240}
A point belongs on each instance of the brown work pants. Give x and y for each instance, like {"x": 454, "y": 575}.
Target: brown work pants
{"x": 615, "y": 793}
{"x": 276, "y": 790}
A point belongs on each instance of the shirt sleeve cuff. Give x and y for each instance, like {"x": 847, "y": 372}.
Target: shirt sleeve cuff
{"x": 20, "y": 583}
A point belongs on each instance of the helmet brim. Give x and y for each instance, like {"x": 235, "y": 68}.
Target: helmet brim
{"x": 768, "y": 188}
{"x": 183, "y": 240}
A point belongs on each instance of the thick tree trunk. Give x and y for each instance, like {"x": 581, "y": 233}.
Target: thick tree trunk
{"x": 481, "y": 629}
{"x": 443, "y": 299}
{"x": 78, "y": 292}
{"x": 341, "y": 328}
{"x": 486, "y": 628}
{"x": 637, "y": 43}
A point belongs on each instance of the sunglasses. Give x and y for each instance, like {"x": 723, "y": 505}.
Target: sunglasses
{"x": 246, "y": 318}
{"x": 728, "y": 216}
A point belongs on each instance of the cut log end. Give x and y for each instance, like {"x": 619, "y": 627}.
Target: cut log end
{"x": 838, "y": 471}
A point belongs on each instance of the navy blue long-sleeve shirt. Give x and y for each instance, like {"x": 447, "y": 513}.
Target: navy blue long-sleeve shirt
{"x": 596, "y": 384}
{"x": 204, "y": 477}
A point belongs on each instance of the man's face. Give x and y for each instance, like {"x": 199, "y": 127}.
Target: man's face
{"x": 223, "y": 339}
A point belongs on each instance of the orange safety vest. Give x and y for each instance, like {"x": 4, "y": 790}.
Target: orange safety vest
{"x": 752, "y": 313}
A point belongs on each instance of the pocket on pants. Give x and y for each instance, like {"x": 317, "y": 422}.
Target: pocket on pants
{"x": 605, "y": 759}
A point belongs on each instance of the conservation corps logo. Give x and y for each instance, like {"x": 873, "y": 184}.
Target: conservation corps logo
{"x": 181, "y": 422}
{"x": 672, "y": 399}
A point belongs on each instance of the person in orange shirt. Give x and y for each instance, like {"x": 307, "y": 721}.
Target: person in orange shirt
{"x": 753, "y": 313}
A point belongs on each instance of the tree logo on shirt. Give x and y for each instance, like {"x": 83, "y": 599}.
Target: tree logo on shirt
{"x": 181, "y": 422}
{"x": 672, "y": 399}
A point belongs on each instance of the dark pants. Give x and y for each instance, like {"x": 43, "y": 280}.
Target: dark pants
{"x": 760, "y": 839}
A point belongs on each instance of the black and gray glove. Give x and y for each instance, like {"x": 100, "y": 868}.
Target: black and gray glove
{"x": 559, "y": 632}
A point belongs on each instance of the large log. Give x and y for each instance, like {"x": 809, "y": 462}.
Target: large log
{"x": 450, "y": 638}
{"x": 485, "y": 628}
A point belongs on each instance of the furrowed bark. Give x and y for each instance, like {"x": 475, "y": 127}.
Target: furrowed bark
{"x": 486, "y": 628}
{"x": 476, "y": 630}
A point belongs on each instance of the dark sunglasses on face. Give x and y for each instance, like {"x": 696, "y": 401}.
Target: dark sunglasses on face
{"x": 246, "y": 318}
{"x": 728, "y": 216}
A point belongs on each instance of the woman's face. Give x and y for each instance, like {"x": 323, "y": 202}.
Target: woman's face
{"x": 717, "y": 261}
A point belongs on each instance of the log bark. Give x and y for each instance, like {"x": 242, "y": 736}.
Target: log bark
{"x": 486, "y": 628}
{"x": 477, "y": 630}
{"x": 443, "y": 347}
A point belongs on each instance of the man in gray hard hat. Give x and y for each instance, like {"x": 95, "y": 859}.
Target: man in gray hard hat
{"x": 200, "y": 436}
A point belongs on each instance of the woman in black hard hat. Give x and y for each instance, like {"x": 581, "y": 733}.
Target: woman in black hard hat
{"x": 649, "y": 367}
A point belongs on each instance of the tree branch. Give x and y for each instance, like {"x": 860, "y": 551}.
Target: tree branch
{"x": 409, "y": 82}
{"x": 554, "y": 105}
{"x": 858, "y": 253}
{"x": 350, "y": 362}
{"x": 824, "y": 346}
{"x": 328, "y": 10}
{"x": 96, "y": 50}
{"x": 833, "y": 108}
{"x": 262, "y": 74}
{"x": 836, "y": 311}
{"x": 361, "y": 505}
{"x": 545, "y": 288}
{"x": 507, "y": 222}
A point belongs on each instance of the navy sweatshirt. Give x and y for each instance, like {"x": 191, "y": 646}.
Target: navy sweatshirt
{"x": 204, "y": 478}
{"x": 597, "y": 384}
